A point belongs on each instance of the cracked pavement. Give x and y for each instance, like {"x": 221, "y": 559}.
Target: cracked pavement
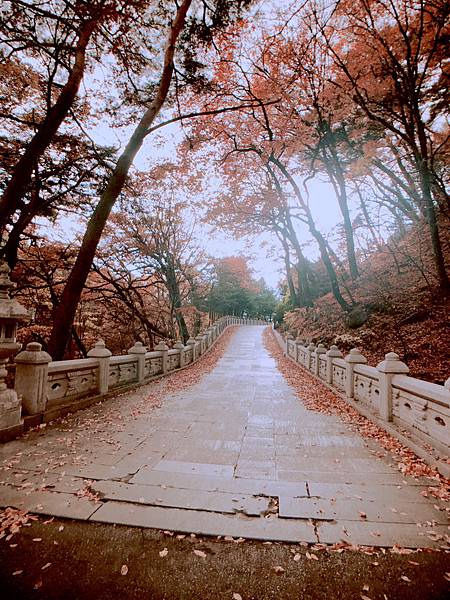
{"x": 235, "y": 455}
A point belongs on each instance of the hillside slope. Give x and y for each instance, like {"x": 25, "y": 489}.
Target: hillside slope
{"x": 406, "y": 312}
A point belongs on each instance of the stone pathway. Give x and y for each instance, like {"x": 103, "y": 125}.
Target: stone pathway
{"x": 235, "y": 455}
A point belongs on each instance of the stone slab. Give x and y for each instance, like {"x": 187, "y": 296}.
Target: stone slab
{"x": 351, "y": 478}
{"x": 380, "y": 493}
{"x": 337, "y": 463}
{"x": 57, "y": 504}
{"x": 380, "y": 534}
{"x": 221, "y": 502}
{"x": 204, "y": 523}
{"x": 176, "y": 466}
{"x": 196, "y": 482}
{"x": 351, "y": 510}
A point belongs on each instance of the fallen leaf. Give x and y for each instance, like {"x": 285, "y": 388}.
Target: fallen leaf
{"x": 37, "y": 539}
{"x": 278, "y": 570}
{"x": 46, "y": 566}
{"x": 18, "y": 572}
{"x": 237, "y": 596}
{"x": 297, "y": 557}
{"x": 365, "y": 597}
{"x": 311, "y": 556}
{"x": 200, "y": 553}
{"x": 365, "y": 588}
{"x": 362, "y": 515}
{"x": 124, "y": 570}
{"x": 61, "y": 528}
{"x": 405, "y": 578}
{"x": 164, "y": 553}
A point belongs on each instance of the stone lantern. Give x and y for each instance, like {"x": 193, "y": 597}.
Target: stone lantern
{"x": 11, "y": 313}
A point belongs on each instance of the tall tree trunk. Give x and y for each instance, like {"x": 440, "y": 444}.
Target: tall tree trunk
{"x": 336, "y": 175}
{"x": 317, "y": 236}
{"x": 430, "y": 211}
{"x": 64, "y": 315}
{"x": 290, "y": 281}
{"x": 22, "y": 173}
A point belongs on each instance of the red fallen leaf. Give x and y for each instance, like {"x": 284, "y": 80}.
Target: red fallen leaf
{"x": 38, "y": 584}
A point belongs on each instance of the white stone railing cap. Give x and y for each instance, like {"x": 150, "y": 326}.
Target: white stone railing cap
{"x": 33, "y": 354}
{"x": 138, "y": 348}
{"x": 334, "y": 352}
{"x": 178, "y": 345}
{"x": 161, "y": 347}
{"x": 392, "y": 364}
{"x": 99, "y": 350}
{"x": 355, "y": 356}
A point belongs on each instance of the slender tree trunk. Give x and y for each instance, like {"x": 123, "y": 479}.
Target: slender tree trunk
{"x": 290, "y": 281}
{"x": 439, "y": 260}
{"x": 22, "y": 173}
{"x": 64, "y": 314}
{"x": 337, "y": 178}
{"x": 317, "y": 236}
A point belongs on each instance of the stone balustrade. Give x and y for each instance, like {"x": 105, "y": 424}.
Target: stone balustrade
{"x": 49, "y": 389}
{"x": 386, "y": 391}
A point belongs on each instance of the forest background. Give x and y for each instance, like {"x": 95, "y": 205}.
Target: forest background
{"x": 160, "y": 160}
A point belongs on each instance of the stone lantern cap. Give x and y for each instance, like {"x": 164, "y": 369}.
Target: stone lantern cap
{"x": 9, "y": 307}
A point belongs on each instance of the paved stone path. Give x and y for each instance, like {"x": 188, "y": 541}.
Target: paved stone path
{"x": 235, "y": 455}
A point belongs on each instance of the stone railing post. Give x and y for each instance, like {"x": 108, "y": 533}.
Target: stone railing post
{"x": 287, "y": 340}
{"x": 139, "y": 350}
{"x": 191, "y": 344}
{"x": 199, "y": 338}
{"x": 309, "y": 350}
{"x": 390, "y": 366}
{"x": 180, "y": 347}
{"x": 298, "y": 344}
{"x": 164, "y": 349}
{"x": 333, "y": 352}
{"x": 101, "y": 352}
{"x": 354, "y": 357}
{"x": 318, "y": 352}
{"x": 31, "y": 378}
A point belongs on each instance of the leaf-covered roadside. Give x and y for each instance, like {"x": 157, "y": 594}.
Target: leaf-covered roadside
{"x": 317, "y": 397}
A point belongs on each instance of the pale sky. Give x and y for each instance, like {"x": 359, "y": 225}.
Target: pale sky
{"x": 161, "y": 146}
